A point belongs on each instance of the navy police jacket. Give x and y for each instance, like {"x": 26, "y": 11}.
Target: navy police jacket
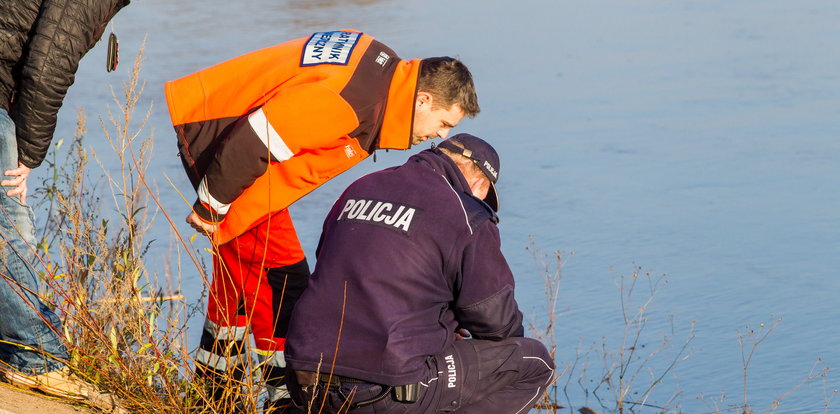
{"x": 406, "y": 257}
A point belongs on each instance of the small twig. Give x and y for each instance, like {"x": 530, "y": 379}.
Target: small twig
{"x": 143, "y": 299}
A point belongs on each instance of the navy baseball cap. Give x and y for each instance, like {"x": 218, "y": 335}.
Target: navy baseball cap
{"x": 484, "y": 157}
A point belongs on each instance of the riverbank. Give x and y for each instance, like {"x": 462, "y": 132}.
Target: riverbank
{"x": 16, "y": 401}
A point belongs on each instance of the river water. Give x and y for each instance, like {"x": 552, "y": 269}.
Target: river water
{"x": 693, "y": 139}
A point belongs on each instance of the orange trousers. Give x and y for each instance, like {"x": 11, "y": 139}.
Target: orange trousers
{"x": 257, "y": 278}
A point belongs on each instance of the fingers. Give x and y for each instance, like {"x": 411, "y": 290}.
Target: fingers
{"x": 20, "y": 170}
{"x": 206, "y": 229}
{"x": 19, "y": 175}
{"x": 462, "y": 333}
{"x": 200, "y": 229}
{"x": 18, "y": 182}
{"x": 200, "y": 226}
{"x": 209, "y": 229}
{"x": 13, "y": 182}
{"x": 194, "y": 223}
{"x": 17, "y": 190}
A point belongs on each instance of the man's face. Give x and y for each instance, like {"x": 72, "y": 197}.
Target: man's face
{"x": 430, "y": 123}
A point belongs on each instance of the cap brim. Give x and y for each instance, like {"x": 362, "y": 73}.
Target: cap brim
{"x": 492, "y": 198}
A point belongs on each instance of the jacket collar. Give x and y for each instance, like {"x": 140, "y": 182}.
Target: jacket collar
{"x": 444, "y": 166}
{"x": 399, "y": 111}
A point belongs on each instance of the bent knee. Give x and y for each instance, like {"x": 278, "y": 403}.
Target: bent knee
{"x": 538, "y": 361}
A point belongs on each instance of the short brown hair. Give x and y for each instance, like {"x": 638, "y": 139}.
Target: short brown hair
{"x": 450, "y": 82}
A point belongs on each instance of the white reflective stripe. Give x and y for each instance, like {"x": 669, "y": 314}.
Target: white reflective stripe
{"x": 272, "y": 358}
{"x": 269, "y": 137}
{"x": 225, "y": 333}
{"x": 541, "y": 360}
{"x": 277, "y": 360}
{"x": 204, "y": 196}
{"x": 466, "y": 217}
{"x": 207, "y": 358}
{"x": 530, "y": 402}
{"x": 430, "y": 381}
{"x": 550, "y": 377}
{"x": 276, "y": 393}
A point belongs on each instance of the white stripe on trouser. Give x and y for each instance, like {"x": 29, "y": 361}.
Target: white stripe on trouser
{"x": 205, "y": 197}
{"x": 209, "y": 359}
{"x": 276, "y": 393}
{"x": 530, "y": 402}
{"x": 269, "y": 136}
{"x": 277, "y": 360}
{"x": 272, "y": 358}
{"x": 225, "y": 333}
{"x": 546, "y": 365}
{"x": 235, "y": 334}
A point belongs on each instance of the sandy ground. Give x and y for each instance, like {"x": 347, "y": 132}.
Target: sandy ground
{"x": 15, "y": 401}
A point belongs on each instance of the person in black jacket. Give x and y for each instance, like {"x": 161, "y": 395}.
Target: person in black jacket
{"x": 41, "y": 43}
{"x": 409, "y": 263}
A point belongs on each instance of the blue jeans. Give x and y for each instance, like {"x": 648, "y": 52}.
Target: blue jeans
{"x": 29, "y": 340}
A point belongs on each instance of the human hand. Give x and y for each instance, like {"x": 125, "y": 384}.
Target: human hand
{"x": 200, "y": 225}
{"x": 462, "y": 333}
{"x": 19, "y": 174}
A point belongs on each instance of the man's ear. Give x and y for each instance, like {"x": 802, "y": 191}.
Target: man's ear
{"x": 477, "y": 182}
{"x": 423, "y": 98}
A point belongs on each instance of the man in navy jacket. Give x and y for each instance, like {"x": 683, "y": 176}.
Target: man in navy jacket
{"x": 409, "y": 263}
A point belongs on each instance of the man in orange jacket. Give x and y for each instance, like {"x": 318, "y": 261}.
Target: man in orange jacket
{"x": 260, "y": 131}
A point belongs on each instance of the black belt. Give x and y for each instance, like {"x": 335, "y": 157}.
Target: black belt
{"x": 403, "y": 393}
{"x": 309, "y": 379}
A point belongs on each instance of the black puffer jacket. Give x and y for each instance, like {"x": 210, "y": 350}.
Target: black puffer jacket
{"x": 41, "y": 43}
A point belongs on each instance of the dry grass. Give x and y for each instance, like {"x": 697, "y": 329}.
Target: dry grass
{"x": 124, "y": 333}
{"x": 629, "y": 371}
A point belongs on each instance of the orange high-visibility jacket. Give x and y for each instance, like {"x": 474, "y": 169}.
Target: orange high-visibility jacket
{"x": 258, "y": 132}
